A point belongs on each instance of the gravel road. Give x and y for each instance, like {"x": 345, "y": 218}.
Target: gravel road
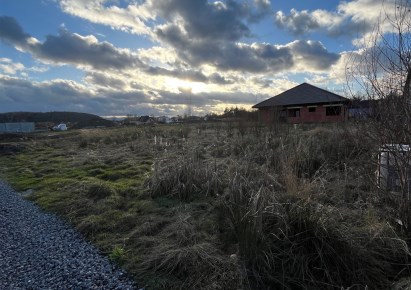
{"x": 39, "y": 251}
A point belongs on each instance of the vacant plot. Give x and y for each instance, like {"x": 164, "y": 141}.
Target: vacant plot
{"x": 221, "y": 205}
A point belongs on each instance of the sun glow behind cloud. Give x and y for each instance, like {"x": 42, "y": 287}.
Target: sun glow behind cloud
{"x": 177, "y": 85}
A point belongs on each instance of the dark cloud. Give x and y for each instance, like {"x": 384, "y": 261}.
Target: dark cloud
{"x": 219, "y": 79}
{"x": 207, "y": 99}
{"x": 69, "y": 47}
{"x": 258, "y": 57}
{"x": 103, "y": 80}
{"x": 73, "y": 48}
{"x": 206, "y": 35}
{"x": 65, "y": 96}
{"x": 17, "y": 91}
{"x": 188, "y": 75}
{"x": 208, "y": 20}
{"x": 313, "y": 54}
{"x": 70, "y": 96}
{"x": 262, "y": 82}
{"x": 224, "y": 55}
{"x": 11, "y": 31}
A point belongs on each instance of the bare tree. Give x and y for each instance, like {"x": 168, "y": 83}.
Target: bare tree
{"x": 381, "y": 72}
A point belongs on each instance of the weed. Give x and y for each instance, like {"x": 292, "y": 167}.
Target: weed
{"x": 117, "y": 254}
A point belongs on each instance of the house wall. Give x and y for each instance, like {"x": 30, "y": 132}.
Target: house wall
{"x": 269, "y": 115}
{"x": 319, "y": 116}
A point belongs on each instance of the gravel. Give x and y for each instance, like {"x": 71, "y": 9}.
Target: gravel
{"x": 40, "y": 251}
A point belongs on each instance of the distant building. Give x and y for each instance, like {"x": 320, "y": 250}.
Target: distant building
{"x": 304, "y": 103}
{"x": 361, "y": 109}
{"x": 164, "y": 120}
{"x": 60, "y": 127}
{"x": 21, "y": 127}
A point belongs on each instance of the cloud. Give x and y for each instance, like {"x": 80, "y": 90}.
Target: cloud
{"x": 256, "y": 57}
{"x": 73, "y": 48}
{"x": 312, "y": 54}
{"x": 15, "y": 90}
{"x": 211, "y": 33}
{"x": 69, "y": 48}
{"x": 188, "y": 75}
{"x": 59, "y": 95}
{"x": 11, "y": 31}
{"x": 262, "y": 4}
{"x": 297, "y": 22}
{"x": 64, "y": 95}
{"x": 351, "y": 18}
{"x": 219, "y": 79}
{"x": 191, "y": 75}
{"x": 129, "y": 19}
{"x": 207, "y": 20}
{"x": 202, "y": 18}
{"x": 104, "y": 80}
{"x": 7, "y": 66}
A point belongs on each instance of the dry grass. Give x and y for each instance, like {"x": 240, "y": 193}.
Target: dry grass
{"x": 222, "y": 206}
{"x": 185, "y": 177}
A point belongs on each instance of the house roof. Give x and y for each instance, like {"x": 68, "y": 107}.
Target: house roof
{"x": 303, "y": 94}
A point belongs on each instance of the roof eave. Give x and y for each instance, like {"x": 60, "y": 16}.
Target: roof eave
{"x": 258, "y": 106}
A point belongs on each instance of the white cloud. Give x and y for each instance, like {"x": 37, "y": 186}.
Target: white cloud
{"x": 130, "y": 19}
{"x": 8, "y": 67}
{"x": 355, "y": 18}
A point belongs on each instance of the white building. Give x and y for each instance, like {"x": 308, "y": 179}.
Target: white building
{"x": 21, "y": 127}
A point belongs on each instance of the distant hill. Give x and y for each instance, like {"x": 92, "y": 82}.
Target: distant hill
{"x": 78, "y": 120}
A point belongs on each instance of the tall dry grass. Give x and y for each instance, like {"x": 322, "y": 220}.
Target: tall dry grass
{"x": 185, "y": 177}
{"x": 297, "y": 204}
{"x": 290, "y": 242}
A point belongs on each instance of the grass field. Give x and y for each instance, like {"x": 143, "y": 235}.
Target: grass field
{"x": 221, "y": 205}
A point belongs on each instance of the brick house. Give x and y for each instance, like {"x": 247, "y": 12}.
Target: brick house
{"x": 304, "y": 103}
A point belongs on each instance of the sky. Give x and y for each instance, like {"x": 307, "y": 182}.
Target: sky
{"x": 171, "y": 57}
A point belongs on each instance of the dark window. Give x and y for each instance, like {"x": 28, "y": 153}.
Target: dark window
{"x": 333, "y": 111}
{"x": 293, "y": 112}
{"x": 311, "y": 110}
{"x": 283, "y": 116}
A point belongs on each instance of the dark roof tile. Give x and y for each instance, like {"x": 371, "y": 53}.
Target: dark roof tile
{"x": 302, "y": 94}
